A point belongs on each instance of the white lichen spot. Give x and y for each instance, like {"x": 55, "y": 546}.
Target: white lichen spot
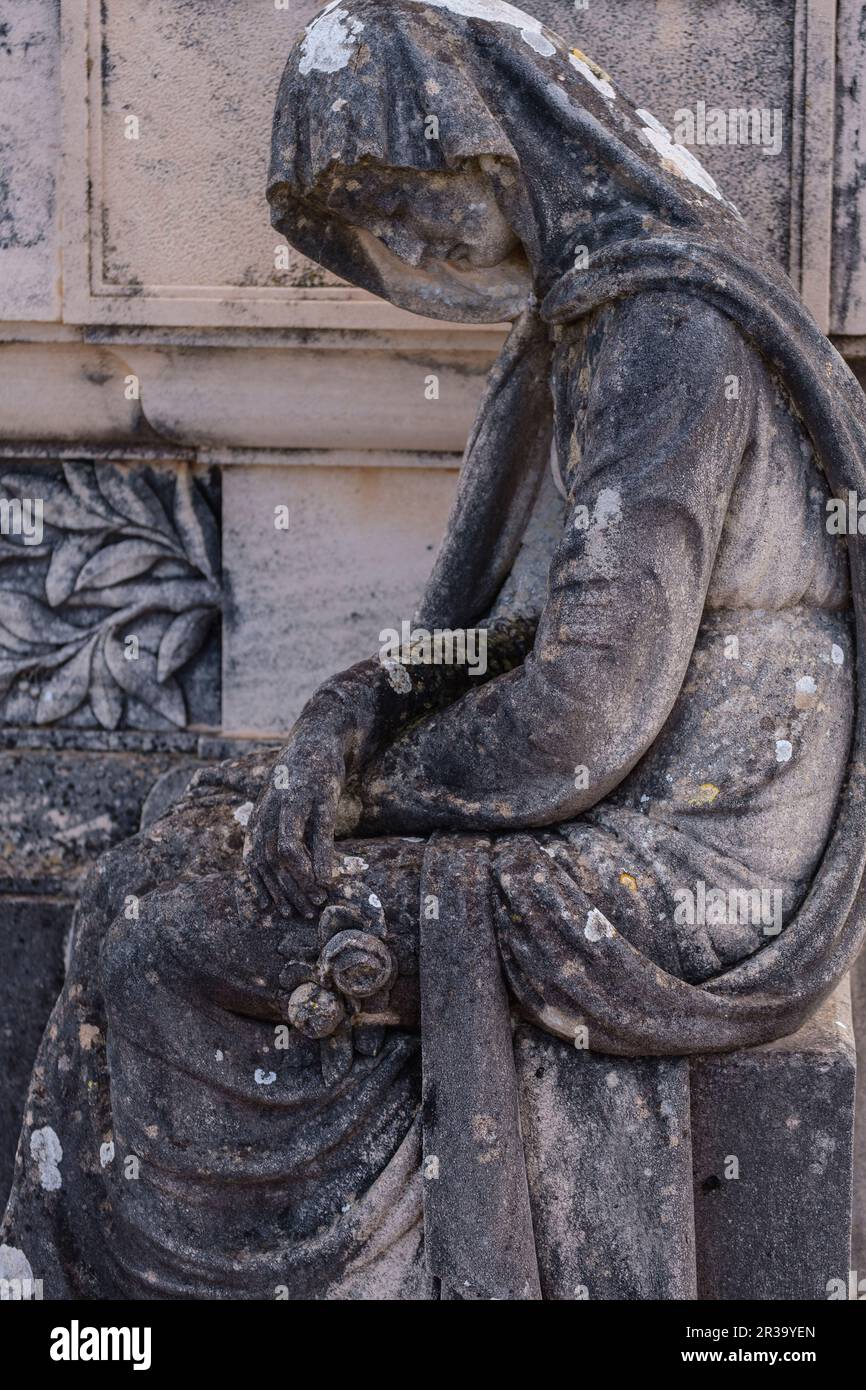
{"x": 606, "y": 515}
{"x": 265, "y": 1078}
{"x": 592, "y": 73}
{"x": 14, "y": 1265}
{"x": 106, "y": 1153}
{"x": 397, "y": 676}
{"x": 608, "y": 508}
{"x": 329, "y": 41}
{"x": 611, "y": 1080}
{"x": 837, "y": 656}
{"x": 431, "y": 1168}
{"x": 805, "y": 693}
{"x": 337, "y": 106}
{"x": 784, "y": 749}
{"x": 597, "y": 926}
{"x": 47, "y": 1153}
{"x": 374, "y": 902}
{"x": 539, "y": 42}
{"x": 353, "y": 864}
{"x": 243, "y": 813}
{"x": 499, "y": 12}
{"x": 680, "y": 159}
{"x": 219, "y": 1054}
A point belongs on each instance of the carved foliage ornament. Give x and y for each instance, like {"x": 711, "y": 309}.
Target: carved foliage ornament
{"x": 127, "y": 599}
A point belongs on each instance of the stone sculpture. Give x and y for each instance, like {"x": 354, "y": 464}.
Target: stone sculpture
{"x": 285, "y": 1066}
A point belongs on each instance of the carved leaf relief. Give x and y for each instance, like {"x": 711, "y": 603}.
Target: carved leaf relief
{"x": 129, "y": 594}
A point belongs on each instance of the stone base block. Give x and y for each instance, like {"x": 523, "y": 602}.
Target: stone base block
{"x": 720, "y": 1177}
{"x": 610, "y": 1171}
{"x": 772, "y": 1131}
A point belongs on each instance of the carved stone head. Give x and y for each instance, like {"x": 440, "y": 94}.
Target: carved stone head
{"x": 454, "y": 155}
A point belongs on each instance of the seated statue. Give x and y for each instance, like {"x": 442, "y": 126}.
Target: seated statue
{"x": 282, "y": 1062}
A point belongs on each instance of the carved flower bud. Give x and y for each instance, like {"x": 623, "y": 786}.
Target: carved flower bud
{"x": 315, "y": 1012}
{"x": 358, "y": 963}
{"x": 360, "y": 910}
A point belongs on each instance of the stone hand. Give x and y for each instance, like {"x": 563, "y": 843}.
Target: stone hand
{"x": 289, "y": 845}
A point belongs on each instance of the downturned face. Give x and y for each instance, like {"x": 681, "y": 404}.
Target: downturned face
{"x": 440, "y": 241}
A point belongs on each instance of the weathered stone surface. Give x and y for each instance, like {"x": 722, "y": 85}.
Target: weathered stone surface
{"x": 32, "y": 934}
{"x": 848, "y": 304}
{"x": 325, "y": 396}
{"x": 858, "y": 1219}
{"x": 355, "y": 562}
{"x": 608, "y": 1147}
{"x": 679, "y": 714}
{"x": 168, "y": 788}
{"x": 29, "y": 157}
{"x": 59, "y": 810}
{"x": 772, "y": 1130}
{"x": 67, "y": 392}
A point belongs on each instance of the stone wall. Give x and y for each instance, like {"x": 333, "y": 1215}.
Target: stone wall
{"x": 246, "y": 466}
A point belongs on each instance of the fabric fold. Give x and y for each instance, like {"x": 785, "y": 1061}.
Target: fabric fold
{"x": 479, "y": 1239}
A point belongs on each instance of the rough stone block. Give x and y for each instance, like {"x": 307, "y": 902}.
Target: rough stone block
{"x": 308, "y": 601}
{"x": 609, "y": 1167}
{"x": 858, "y": 1214}
{"x": 772, "y": 1140}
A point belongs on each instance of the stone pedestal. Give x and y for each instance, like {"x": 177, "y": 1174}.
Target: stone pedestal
{"x": 858, "y": 1223}
{"x": 772, "y": 1142}
{"x": 723, "y": 1177}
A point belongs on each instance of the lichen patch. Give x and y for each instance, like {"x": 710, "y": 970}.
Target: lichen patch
{"x": 47, "y": 1153}
{"x": 675, "y": 157}
{"x": 330, "y": 41}
{"x": 593, "y": 73}
{"x": 499, "y": 12}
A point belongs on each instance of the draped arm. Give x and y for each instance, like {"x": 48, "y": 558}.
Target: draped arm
{"x": 666, "y": 432}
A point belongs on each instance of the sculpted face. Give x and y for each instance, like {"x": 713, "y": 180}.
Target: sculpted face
{"x": 440, "y": 241}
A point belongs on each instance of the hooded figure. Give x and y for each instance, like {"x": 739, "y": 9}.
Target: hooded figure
{"x": 640, "y": 832}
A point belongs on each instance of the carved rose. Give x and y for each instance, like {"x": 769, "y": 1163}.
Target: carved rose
{"x": 117, "y": 559}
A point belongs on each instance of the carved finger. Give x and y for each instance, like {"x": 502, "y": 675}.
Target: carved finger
{"x": 321, "y": 839}
{"x": 293, "y": 855}
{"x": 292, "y": 888}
